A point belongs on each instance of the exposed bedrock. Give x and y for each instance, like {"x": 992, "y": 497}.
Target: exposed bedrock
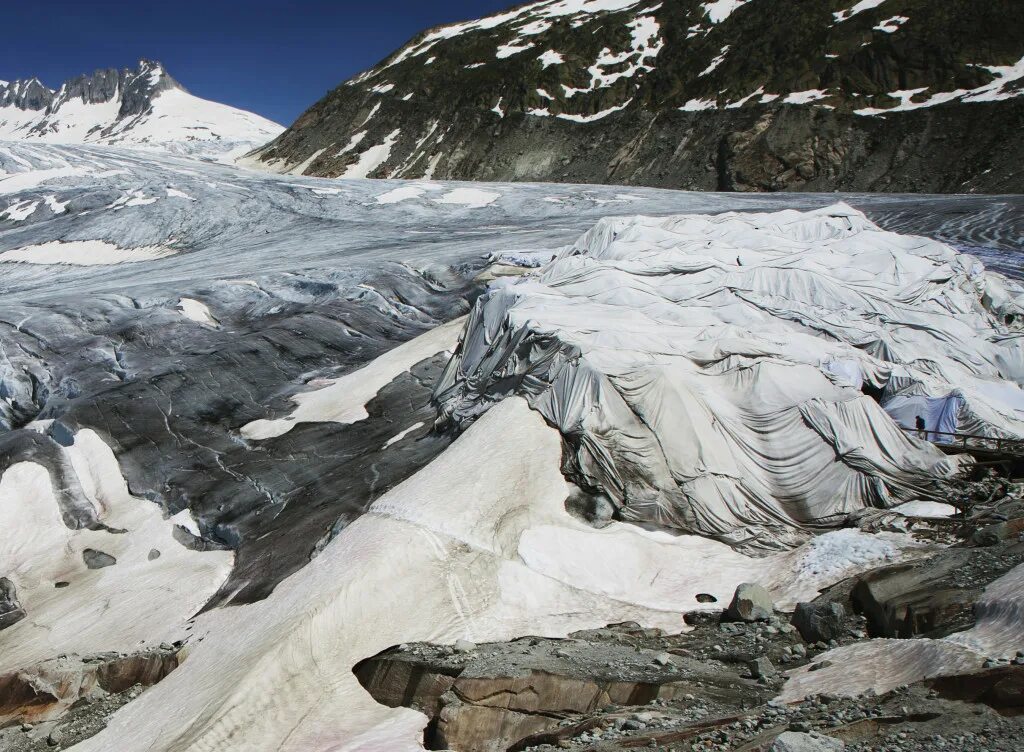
{"x": 46, "y": 691}
{"x": 486, "y": 698}
{"x": 820, "y": 95}
{"x": 931, "y": 597}
{"x": 751, "y": 376}
{"x": 11, "y": 611}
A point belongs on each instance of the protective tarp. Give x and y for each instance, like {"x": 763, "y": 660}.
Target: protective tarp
{"x": 749, "y": 376}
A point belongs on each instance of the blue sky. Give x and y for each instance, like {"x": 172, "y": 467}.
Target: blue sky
{"x": 275, "y": 58}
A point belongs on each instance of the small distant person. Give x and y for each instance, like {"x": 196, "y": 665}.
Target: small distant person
{"x": 739, "y": 261}
{"x": 919, "y": 424}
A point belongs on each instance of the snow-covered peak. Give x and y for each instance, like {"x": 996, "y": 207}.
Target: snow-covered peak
{"x": 135, "y": 107}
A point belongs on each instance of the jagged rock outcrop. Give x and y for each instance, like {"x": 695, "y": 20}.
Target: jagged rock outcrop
{"x": 489, "y": 698}
{"x": 47, "y": 690}
{"x": 931, "y": 598}
{"x": 758, "y": 95}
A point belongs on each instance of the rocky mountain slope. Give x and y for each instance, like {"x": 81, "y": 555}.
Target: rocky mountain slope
{"x": 141, "y": 107}
{"x": 745, "y": 95}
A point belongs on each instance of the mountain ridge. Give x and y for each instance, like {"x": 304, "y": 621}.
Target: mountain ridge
{"x": 726, "y": 95}
{"x": 141, "y": 107}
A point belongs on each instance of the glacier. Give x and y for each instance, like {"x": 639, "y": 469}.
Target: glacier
{"x": 256, "y": 404}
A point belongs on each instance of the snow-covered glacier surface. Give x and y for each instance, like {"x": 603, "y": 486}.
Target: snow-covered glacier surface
{"x": 236, "y": 370}
{"x": 738, "y": 375}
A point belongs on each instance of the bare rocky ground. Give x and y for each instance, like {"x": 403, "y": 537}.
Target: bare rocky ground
{"x": 626, "y": 687}
{"x": 80, "y": 723}
{"x": 60, "y": 702}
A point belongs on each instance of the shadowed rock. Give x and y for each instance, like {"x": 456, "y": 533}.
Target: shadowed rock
{"x": 750, "y": 603}
{"x": 97, "y": 559}
{"x": 11, "y": 611}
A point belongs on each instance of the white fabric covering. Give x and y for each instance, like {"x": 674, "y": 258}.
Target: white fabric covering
{"x": 710, "y": 371}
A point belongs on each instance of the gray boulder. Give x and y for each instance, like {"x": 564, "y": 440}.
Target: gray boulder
{"x": 97, "y": 559}
{"x": 750, "y": 603}
{"x": 761, "y": 668}
{"x": 819, "y": 622}
{"x": 794, "y": 741}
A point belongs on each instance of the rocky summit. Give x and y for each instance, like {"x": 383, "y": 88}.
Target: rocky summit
{"x": 133, "y": 107}
{"x": 731, "y": 95}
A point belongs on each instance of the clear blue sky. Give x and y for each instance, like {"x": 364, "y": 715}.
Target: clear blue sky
{"x": 272, "y": 57}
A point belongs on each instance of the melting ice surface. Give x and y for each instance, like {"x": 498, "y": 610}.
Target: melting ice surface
{"x": 156, "y": 356}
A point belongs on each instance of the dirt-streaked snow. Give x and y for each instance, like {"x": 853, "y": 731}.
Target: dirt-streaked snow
{"x": 83, "y": 253}
{"x": 154, "y": 587}
{"x": 476, "y": 546}
{"x": 343, "y": 400}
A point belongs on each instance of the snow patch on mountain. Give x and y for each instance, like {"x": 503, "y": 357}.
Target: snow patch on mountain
{"x": 999, "y": 88}
{"x": 720, "y": 10}
{"x": 372, "y": 158}
{"x": 863, "y": 5}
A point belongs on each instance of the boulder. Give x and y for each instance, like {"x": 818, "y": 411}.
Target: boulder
{"x": 795, "y": 741}
{"x": 918, "y": 599}
{"x": 999, "y": 687}
{"x": 95, "y": 559}
{"x": 819, "y": 622}
{"x": 993, "y": 534}
{"x": 761, "y": 668}
{"x": 750, "y": 603}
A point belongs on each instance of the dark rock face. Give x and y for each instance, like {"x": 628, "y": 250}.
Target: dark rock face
{"x": 819, "y": 622}
{"x": 784, "y": 95}
{"x": 97, "y": 559}
{"x": 933, "y": 597}
{"x": 990, "y": 535}
{"x": 1001, "y": 688}
{"x": 133, "y": 88}
{"x": 29, "y": 94}
{"x": 11, "y": 611}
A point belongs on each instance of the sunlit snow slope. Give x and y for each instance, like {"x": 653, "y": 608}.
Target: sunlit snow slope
{"x": 140, "y": 108}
